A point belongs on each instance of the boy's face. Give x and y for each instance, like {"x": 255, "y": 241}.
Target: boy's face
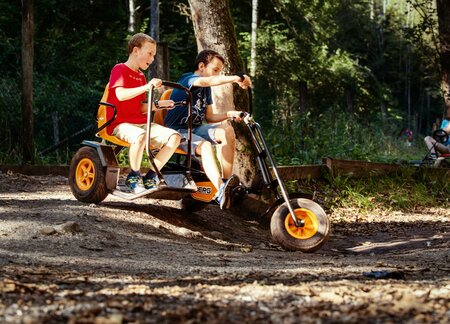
{"x": 145, "y": 55}
{"x": 212, "y": 68}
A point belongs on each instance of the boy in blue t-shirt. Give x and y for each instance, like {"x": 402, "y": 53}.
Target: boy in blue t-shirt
{"x": 208, "y": 66}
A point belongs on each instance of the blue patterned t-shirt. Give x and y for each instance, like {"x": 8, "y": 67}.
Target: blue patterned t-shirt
{"x": 201, "y": 98}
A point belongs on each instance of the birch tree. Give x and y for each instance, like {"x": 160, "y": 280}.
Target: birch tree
{"x": 253, "y": 45}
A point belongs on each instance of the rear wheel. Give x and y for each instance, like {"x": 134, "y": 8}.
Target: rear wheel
{"x": 87, "y": 176}
{"x": 308, "y": 238}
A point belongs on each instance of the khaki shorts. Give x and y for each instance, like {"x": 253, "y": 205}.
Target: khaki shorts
{"x": 159, "y": 135}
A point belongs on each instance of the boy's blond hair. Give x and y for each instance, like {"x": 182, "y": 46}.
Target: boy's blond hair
{"x": 137, "y": 40}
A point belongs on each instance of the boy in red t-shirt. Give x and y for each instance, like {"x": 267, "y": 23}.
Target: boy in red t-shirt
{"x": 127, "y": 91}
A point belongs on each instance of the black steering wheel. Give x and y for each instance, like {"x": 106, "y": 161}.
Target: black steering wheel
{"x": 441, "y": 136}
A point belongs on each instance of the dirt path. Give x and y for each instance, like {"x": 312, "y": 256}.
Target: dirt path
{"x": 64, "y": 261}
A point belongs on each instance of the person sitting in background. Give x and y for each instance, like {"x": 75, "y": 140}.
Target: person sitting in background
{"x": 435, "y": 147}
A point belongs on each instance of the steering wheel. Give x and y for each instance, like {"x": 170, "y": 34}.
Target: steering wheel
{"x": 441, "y": 136}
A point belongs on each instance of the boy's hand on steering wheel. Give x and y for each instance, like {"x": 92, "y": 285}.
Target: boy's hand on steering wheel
{"x": 244, "y": 81}
{"x": 156, "y": 83}
{"x": 235, "y": 115}
{"x": 169, "y": 104}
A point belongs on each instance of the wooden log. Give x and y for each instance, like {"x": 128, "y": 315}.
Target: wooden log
{"x": 37, "y": 170}
{"x": 358, "y": 168}
{"x": 301, "y": 172}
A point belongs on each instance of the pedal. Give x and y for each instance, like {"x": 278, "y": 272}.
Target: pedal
{"x": 239, "y": 191}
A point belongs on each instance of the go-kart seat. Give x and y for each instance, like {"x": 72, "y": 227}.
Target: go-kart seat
{"x": 160, "y": 114}
{"x": 102, "y": 119}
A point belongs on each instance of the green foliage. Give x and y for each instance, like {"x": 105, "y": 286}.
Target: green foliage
{"x": 307, "y": 139}
{"x": 353, "y": 61}
{"x": 407, "y": 190}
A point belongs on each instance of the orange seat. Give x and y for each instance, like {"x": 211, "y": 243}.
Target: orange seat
{"x": 101, "y": 120}
{"x": 160, "y": 114}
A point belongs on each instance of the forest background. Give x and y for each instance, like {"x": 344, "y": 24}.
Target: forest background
{"x": 333, "y": 78}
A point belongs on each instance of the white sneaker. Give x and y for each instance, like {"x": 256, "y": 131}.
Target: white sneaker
{"x": 223, "y": 195}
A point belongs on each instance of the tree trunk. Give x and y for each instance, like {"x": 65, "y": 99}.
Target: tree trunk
{"x": 55, "y": 122}
{"x": 27, "y": 80}
{"x": 154, "y": 19}
{"x": 131, "y": 16}
{"x": 443, "y": 10}
{"x": 253, "y": 46}
{"x": 214, "y": 30}
{"x": 303, "y": 97}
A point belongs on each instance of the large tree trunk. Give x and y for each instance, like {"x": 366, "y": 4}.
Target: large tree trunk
{"x": 214, "y": 30}
{"x": 27, "y": 80}
{"x": 443, "y": 10}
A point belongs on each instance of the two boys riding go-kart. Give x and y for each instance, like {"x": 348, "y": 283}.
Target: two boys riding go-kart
{"x": 296, "y": 224}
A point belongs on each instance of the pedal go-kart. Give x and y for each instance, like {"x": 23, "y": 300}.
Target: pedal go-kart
{"x": 442, "y": 160}
{"x": 297, "y": 224}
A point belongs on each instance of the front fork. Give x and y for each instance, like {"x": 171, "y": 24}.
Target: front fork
{"x": 263, "y": 153}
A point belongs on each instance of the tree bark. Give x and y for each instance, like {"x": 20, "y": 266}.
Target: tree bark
{"x": 443, "y": 10}
{"x": 131, "y": 16}
{"x": 27, "y": 81}
{"x": 253, "y": 45}
{"x": 214, "y": 29}
{"x": 154, "y": 19}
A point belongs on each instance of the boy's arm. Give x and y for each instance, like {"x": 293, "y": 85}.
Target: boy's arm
{"x": 215, "y": 80}
{"x": 127, "y": 93}
{"x": 447, "y": 129}
{"x": 211, "y": 117}
{"x": 169, "y": 104}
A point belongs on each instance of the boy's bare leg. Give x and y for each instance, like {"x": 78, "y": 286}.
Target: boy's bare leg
{"x": 167, "y": 151}
{"x": 226, "y": 138}
{"x": 135, "y": 152}
{"x": 209, "y": 164}
{"x": 430, "y": 141}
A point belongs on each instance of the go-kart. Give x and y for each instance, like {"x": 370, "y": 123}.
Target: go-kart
{"x": 297, "y": 224}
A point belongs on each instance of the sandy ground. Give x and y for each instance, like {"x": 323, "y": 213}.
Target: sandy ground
{"x": 147, "y": 262}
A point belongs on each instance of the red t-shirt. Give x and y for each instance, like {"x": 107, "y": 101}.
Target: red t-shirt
{"x": 128, "y": 111}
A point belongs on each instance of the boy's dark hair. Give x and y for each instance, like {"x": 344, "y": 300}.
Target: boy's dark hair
{"x": 206, "y": 56}
{"x": 137, "y": 40}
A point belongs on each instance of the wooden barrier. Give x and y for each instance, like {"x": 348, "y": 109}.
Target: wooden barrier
{"x": 300, "y": 172}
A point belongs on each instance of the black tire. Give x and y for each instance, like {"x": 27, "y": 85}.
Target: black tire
{"x": 306, "y": 239}
{"x": 191, "y": 205}
{"x": 87, "y": 176}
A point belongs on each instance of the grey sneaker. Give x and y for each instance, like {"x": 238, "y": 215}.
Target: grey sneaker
{"x": 223, "y": 195}
{"x": 134, "y": 183}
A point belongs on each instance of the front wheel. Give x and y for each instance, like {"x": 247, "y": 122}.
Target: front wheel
{"x": 308, "y": 238}
{"x": 87, "y": 176}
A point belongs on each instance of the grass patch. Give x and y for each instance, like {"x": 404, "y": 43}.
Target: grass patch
{"x": 405, "y": 190}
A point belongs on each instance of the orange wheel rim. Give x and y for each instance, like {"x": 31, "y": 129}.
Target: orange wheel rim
{"x": 85, "y": 174}
{"x": 302, "y": 233}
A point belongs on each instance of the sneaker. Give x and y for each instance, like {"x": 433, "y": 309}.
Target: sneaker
{"x": 134, "y": 183}
{"x": 223, "y": 195}
{"x": 150, "y": 183}
{"x": 438, "y": 161}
